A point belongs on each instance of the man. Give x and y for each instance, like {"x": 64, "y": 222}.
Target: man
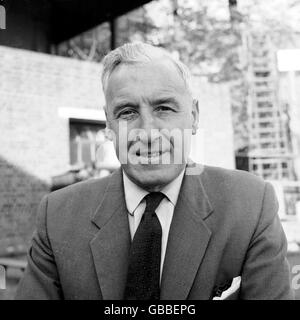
{"x": 160, "y": 227}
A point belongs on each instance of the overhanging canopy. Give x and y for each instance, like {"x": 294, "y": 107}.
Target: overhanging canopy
{"x": 72, "y": 17}
{"x": 61, "y": 20}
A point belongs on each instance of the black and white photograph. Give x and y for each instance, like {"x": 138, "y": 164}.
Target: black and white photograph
{"x": 150, "y": 151}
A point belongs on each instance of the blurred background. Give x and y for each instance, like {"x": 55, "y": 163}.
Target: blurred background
{"x": 244, "y": 56}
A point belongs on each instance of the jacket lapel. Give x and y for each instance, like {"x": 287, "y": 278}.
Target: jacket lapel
{"x": 188, "y": 240}
{"x": 110, "y": 246}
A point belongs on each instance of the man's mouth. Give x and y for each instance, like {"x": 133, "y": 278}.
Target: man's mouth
{"x": 149, "y": 154}
{"x": 151, "y": 157}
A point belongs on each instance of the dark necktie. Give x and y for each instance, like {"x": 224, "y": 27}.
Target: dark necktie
{"x": 145, "y": 252}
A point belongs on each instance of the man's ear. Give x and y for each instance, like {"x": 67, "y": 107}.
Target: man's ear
{"x": 107, "y": 121}
{"x": 105, "y": 111}
{"x": 108, "y": 131}
{"x": 195, "y": 113}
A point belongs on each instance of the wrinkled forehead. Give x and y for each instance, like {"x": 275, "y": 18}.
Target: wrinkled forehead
{"x": 159, "y": 73}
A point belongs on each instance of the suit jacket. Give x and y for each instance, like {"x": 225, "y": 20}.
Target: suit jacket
{"x": 225, "y": 224}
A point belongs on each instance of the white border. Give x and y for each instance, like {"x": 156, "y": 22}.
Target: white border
{"x": 84, "y": 114}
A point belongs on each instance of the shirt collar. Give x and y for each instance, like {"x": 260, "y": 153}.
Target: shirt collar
{"x": 135, "y": 194}
{"x": 171, "y": 190}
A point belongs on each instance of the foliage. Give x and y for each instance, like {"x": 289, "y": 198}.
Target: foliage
{"x": 94, "y": 44}
{"x": 206, "y": 43}
{"x": 205, "y": 34}
{"x": 208, "y": 35}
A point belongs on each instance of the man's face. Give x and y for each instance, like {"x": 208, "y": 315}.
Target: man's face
{"x": 150, "y": 100}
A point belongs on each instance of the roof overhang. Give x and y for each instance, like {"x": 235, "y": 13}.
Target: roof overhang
{"x": 72, "y": 17}
{"x": 65, "y": 19}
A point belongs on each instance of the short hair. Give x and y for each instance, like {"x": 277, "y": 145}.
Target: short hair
{"x": 139, "y": 52}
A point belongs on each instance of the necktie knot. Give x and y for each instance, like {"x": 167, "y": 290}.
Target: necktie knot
{"x": 153, "y": 199}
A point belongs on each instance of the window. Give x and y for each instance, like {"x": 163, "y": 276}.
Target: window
{"x": 83, "y": 141}
{"x": 262, "y": 74}
{"x": 284, "y": 165}
{"x": 266, "y": 165}
{"x": 266, "y": 125}
{"x": 264, "y": 104}
{"x": 263, "y": 94}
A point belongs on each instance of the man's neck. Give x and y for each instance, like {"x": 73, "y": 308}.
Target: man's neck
{"x": 154, "y": 188}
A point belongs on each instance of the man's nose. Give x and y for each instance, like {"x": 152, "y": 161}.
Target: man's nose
{"x": 147, "y": 121}
{"x": 149, "y": 131}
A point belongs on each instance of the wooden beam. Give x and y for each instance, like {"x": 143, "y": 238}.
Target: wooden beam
{"x": 112, "y": 25}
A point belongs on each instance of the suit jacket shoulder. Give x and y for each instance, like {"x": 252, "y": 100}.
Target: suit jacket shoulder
{"x": 225, "y": 225}
{"x": 238, "y": 193}
{"x": 69, "y": 210}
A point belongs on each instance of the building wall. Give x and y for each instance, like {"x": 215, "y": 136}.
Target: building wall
{"x": 34, "y": 139}
{"x": 38, "y": 94}
{"x": 289, "y": 95}
{"x": 213, "y": 144}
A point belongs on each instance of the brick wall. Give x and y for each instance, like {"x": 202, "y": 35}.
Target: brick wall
{"x": 34, "y": 138}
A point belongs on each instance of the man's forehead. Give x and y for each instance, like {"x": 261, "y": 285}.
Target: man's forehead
{"x": 160, "y": 74}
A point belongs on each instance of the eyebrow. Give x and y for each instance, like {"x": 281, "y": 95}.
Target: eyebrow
{"x": 167, "y": 100}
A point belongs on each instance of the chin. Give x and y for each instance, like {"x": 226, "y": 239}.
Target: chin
{"x": 153, "y": 177}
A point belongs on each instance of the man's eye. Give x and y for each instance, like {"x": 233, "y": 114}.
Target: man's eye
{"x": 164, "y": 108}
{"x": 127, "y": 114}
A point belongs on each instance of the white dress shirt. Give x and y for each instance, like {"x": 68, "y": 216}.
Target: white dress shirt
{"x": 134, "y": 197}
